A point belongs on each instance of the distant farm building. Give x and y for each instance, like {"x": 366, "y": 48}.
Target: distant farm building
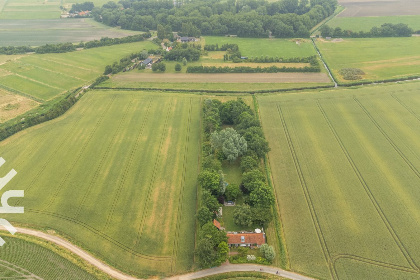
{"x": 246, "y": 239}
{"x": 187, "y": 39}
{"x": 147, "y": 62}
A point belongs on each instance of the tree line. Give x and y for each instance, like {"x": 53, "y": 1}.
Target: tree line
{"x": 245, "y": 18}
{"x": 79, "y": 7}
{"x": 244, "y": 141}
{"x": 247, "y": 69}
{"x": 69, "y": 47}
{"x": 385, "y": 30}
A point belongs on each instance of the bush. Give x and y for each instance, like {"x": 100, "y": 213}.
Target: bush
{"x": 178, "y": 67}
{"x": 351, "y": 73}
{"x": 159, "y": 67}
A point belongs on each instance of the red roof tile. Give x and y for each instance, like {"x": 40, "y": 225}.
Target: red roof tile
{"x": 216, "y": 224}
{"x": 246, "y": 238}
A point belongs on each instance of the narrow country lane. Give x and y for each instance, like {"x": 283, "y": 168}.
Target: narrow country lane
{"x": 194, "y": 275}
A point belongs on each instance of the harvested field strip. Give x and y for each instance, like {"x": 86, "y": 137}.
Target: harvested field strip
{"x": 224, "y": 78}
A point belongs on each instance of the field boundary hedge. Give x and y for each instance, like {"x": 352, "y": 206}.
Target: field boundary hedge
{"x": 212, "y": 91}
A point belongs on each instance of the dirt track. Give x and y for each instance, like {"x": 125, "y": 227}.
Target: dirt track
{"x": 119, "y": 275}
{"x": 224, "y": 78}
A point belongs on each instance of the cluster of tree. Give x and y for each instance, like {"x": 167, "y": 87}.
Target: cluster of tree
{"x": 189, "y": 53}
{"x": 47, "y": 111}
{"x": 245, "y": 141}
{"x": 159, "y": 67}
{"x": 212, "y": 248}
{"x": 245, "y": 18}
{"x": 86, "y": 6}
{"x": 248, "y": 69}
{"x": 385, "y": 30}
{"x": 165, "y": 32}
{"x": 56, "y": 48}
{"x": 125, "y": 63}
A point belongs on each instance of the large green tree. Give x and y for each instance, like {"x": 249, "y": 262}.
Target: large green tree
{"x": 242, "y": 215}
{"x": 229, "y": 142}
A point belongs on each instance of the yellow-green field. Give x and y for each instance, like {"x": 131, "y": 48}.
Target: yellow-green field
{"x": 116, "y": 175}
{"x": 379, "y": 58}
{"x": 346, "y": 171}
{"x": 44, "y": 76}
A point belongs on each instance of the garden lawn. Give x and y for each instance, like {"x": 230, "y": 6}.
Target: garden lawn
{"x": 117, "y": 176}
{"x": 345, "y": 166}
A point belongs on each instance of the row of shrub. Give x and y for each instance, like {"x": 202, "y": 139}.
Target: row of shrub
{"x": 385, "y": 30}
{"x": 247, "y": 69}
{"x": 224, "y": 47}
{"x": 125, "y": 63}
{"x": 69, "y": 47}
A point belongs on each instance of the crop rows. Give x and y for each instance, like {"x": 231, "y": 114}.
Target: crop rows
{"x": 341, "y": 149}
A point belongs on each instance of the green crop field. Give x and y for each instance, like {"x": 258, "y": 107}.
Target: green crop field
{"x": 253, "y": 47}
{"x": 27, "y": 258}
{"x": 366, "y": 23}
{"x": 44, "y": 76}
{"x": 29, "y": 9}
{"x": 379, "y": 58}
{"x": 346, "y": 171}
{"x": 116, "y": 175}
{"x": 36, "y": 32}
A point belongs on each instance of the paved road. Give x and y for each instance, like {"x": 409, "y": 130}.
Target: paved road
{"x": 119, "y": 275}
{"x": 240, "y": 267}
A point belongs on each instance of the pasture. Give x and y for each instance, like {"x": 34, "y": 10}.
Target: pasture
{"x": 345, "y": 167}
{"x": 28, "y": 258}
{"x": 44, "y": 76}
{"x": 366, "y": 23}
{"x": 114, "y": 178}
{"x": 378, "y": 8}
{"x": 253, "y": 47}
{"x": 379, "y": 58}
{"x": 36, "y": 32}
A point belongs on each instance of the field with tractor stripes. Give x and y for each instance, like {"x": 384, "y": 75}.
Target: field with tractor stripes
{"x": 117, "y": 176}
{"x": 346, "y": 172}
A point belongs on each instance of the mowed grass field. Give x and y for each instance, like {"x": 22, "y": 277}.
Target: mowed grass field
{"x": 44, "y": 76}
{"x": 20, "y": 258}
{"x": 366, "y": 23}
{"x": 116, "y": 175}
{"x": 379, "y": 58}
{"x": 345, "y": 166}
{"x": 36, "y": 32}
{"x": 253, "y": 47}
